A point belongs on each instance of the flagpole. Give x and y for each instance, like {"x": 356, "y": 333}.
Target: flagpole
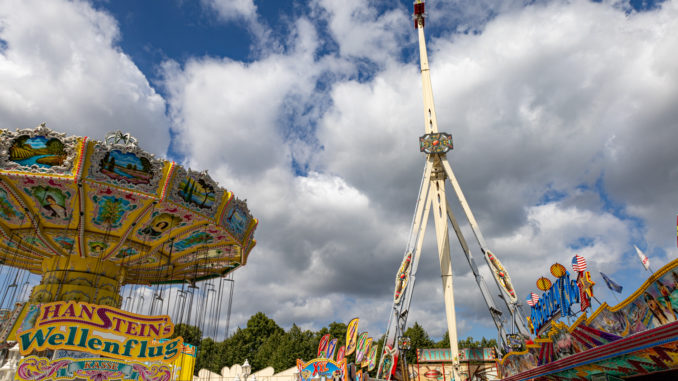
{"x": 597, "y": 300}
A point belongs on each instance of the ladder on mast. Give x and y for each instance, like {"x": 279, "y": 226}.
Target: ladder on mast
{"x": 432, "y": 199}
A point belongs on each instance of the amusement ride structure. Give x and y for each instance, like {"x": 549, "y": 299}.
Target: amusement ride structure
{"x": 432, "y": 198}
{"x": 636, "y": 338}
{"x": 108, "y": 224}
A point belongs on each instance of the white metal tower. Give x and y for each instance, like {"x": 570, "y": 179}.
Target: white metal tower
{"x": 432, "y": 199}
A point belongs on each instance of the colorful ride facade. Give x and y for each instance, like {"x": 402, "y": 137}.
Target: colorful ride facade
{"x": 638, "y": 336}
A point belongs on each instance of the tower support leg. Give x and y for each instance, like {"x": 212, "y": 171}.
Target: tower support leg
{"x": 439, "y": 209}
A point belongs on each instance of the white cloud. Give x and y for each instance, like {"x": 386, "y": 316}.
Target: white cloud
{"x": 361, "y": 31}
{"x": 547, "y": 98}
{"x": 233, "y": 10}
{"x": 568, "y": 98}
{"x": 61, "y": 65}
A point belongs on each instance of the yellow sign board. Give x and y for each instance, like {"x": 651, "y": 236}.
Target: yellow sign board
{"x": 101, "y": 330}
{"x": 36, "y": 368}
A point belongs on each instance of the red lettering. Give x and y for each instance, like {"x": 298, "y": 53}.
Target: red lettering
{"x": 48, "y": 308}
{"x": 101, "y": 312}
{"x": 88, "y": 312}
{"x": 117, "y": 324}
{"x": 131, "y": 328}
{"x": 70, "y": 311}
{"x": 154, "y": 329}
{"x": 320, "y": 367}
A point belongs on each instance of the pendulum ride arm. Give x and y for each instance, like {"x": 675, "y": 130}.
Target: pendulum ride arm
{"x": 494, "y": 312}
{"x": 432, "y": 199}
{"x": 510, "y": 300}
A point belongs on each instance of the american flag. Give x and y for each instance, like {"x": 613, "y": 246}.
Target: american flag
{"x": 532, "y": 299}
{"x": 578, "y": 263}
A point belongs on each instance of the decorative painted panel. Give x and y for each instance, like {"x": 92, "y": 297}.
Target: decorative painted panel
{"x": 229, "y": 252}
{"x": 39, "y": 150}
{"x": 196, "y": 191}
{"x": 162, "y": 221}
{"x": 125, "y": 167}
{"x": 10, "y": 211}
{"x": 237, "y": 219}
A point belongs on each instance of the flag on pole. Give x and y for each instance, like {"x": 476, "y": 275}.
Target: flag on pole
{"x": 322, "y": 346}
{"x": 643, "y": 259}
{"x": 532, "y": 299}
{"x": 529, "y": 301}
{"x": 578, "y": 263}
{"x": 612, "y": 285}
{"x": 351, "y": 336}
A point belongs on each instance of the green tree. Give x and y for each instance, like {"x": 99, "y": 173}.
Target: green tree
{"x": 338, "y": 331}
{"x": 445, "y": 341}
{"x": 245, "y": 343}
{"x": 295, "y": 344}
{"x": 470, "y": 342}
{"x": 191, "y": 334}
{"x": 419, "y": 339}
{"x": 259, "y": 328}
{"x": 209, "y": 356}
{"x": 233, "y": 350}
{"x": 264, "y": 344}
{"x": 264, "y": 353}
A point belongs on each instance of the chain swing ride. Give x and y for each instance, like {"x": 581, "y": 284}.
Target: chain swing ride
{"x": 106, "y": 224}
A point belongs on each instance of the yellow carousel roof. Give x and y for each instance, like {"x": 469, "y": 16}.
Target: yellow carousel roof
{"x": 67, "y": 195}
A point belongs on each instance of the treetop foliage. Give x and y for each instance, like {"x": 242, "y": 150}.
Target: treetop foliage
{"x": 264, "y": 343}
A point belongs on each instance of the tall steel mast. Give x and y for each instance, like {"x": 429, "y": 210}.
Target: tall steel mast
{"x": 437, "y": 171}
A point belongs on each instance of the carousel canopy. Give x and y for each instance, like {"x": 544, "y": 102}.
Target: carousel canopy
{"x": 72, "y": 196}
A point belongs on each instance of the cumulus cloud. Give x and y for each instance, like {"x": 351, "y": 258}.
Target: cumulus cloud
{"x": 562, "y": 115}
{"x": 60, "y": 64}
{"x": 361, "y": 31}
{"x": 555, "y": 109}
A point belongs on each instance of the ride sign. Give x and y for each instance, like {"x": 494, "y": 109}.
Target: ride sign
{"x": 100, "y": 330}
{"x": 558, "y": 298}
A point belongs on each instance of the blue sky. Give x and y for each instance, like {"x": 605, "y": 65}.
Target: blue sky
{"x": 563, "y": 115}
